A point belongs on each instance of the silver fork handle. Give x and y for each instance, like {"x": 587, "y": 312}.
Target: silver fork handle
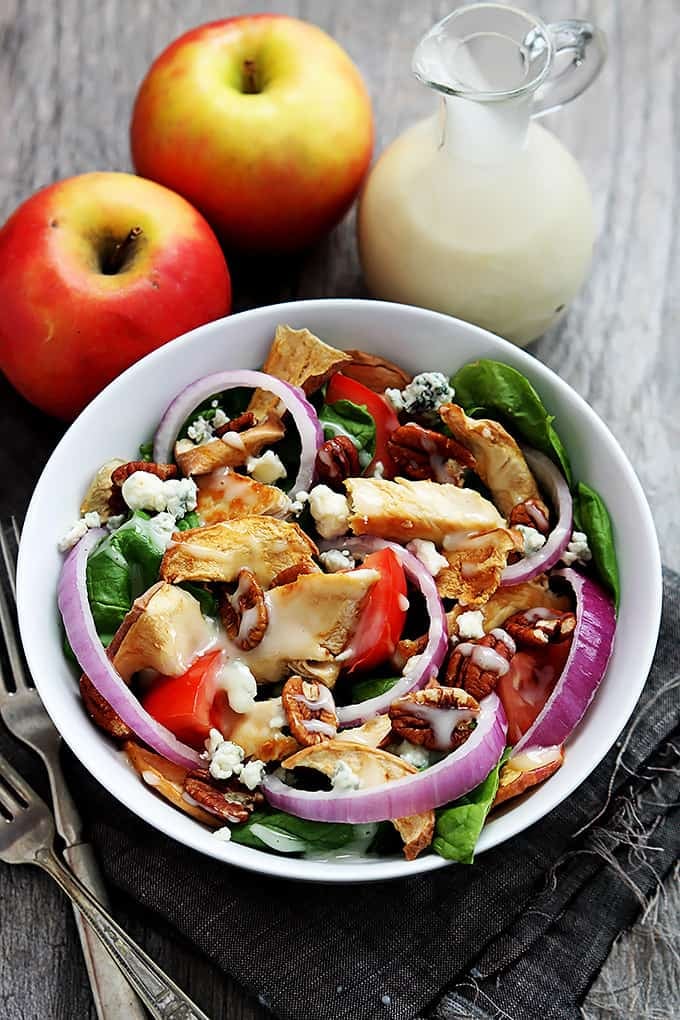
{"x": 162, "y": 997}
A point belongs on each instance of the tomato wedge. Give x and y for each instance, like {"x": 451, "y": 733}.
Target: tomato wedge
{"x": 528, "y": 684}
{"x": 183, "y": 703}
{"x": 341, "y": 387}
{"x": 384, "y": 613}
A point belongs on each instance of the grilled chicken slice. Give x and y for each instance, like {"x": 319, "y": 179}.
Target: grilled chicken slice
{"x": 310, "y": 622}
{"x": 476, "y": 565}
{"x": 405, "y": 509}
{"x": 217, "y": 552}
{"x": 500, "y": 462}
{"x": 225, "y": 494}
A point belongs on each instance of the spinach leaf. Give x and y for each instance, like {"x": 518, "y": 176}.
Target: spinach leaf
{"x": 496, "y": 389}
{"x": 371, "y": 688}
{"x": 459, "y": 825}
{"x": 591, "y": 516}
{"x": 203, "y": 595}
{"x": 123, "y": 566}
{"x": 190, "y": 520}
{"x": 344, "y": 418}
{"x": 300, "y": 834}
{"x": 146, "y": 451}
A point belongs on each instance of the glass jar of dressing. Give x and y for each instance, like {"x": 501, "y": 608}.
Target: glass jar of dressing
{"x": 480, "y": 212}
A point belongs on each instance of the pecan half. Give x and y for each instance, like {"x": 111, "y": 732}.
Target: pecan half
{"x": 438, "y": 718}
{"x": 421, "y": 453}
{"x": 310, "y": 711}
{"x": 244, "y": 613}
{"x": 101, "y": 712}
{"x": 476, "y": 666}
{"x": 226, "y": 798}
{"x": 336, "y": 460}
{"x": 377, "y": 373}
{"x": 532, "y": 513}
{"x": 290, "y": 574}
{"x": 540, "y": 626}
{"x": 238, "y": 424}
{"x": 406, "y": 649}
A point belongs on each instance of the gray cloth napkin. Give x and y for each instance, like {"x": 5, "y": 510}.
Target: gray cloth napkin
{"x": 524, "y": 931}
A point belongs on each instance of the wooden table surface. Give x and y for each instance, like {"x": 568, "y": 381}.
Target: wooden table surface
{"x": 68, "y": 73}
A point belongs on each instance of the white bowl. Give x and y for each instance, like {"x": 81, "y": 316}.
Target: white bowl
{"x": 128, "y": 411}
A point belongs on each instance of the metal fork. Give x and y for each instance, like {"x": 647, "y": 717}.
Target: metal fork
{"x": 25, "y": 717}
{"x": 26, "y": 837}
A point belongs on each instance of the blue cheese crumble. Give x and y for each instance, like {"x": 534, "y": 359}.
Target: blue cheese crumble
{"x": 578, "y": 550}
{"x": 423, "y": 395}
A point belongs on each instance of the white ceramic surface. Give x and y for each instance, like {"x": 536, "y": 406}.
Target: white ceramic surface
{"x": 127, "y": 412}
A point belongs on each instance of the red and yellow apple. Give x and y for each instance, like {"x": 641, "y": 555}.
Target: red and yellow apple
{"x": 263, "y": 123}
{"x": 95, "y": 272}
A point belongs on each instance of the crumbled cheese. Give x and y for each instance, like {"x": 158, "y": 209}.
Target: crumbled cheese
{"x": 267, "y": 469}
{"x": 223, "y": 834}
{"x": 200, "y": 430}
{"x": 144, "y": 491}
{"x": 219, "y": 418}
{"x": 234, "y": 440}
{"x": 298, "y": 504}
{"x": 533, "y": 539}
{"x": 163, "y": 527}
{"x": 426, "y": 552}
{"x": 578, "y": 550}
{"x": 115, "y": 521}
{"x": 329, "y": 510}
{"x": 239, "y": 683}
{"x": 214, "y": 740}
{"x": 471, "y": 625}
{"x": 252, "y": 774}
{"x": 80, "y": 528}
{"x": 337, "y": 559}
{"x": 425, "y": 393}
{"x": 415, "y": 755}
{"x": 226, "y": 760}
{"x": 378, "y": 469}
{"x": 344, "y": 778}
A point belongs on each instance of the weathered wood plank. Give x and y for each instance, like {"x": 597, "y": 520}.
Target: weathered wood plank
{"x": 68, "y": 73}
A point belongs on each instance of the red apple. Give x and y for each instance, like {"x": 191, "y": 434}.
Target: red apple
{"x": 263, "y": 123}
{"x": 96, "y": 271}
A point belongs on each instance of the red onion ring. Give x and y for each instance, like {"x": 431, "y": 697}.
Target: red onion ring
{"x": 75, "y": 611}
{"x": 292, "y": 397}
{"x": 432, "y": 656}
{"x": 591, "y": 647}
{"x": 439, "y": 784}
{"x": 553, "y": 482}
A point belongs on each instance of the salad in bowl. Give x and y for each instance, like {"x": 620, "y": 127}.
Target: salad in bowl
{"x": 336, "y": 609}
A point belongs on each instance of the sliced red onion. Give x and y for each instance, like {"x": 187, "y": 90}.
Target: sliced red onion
{"x": 81, "y": 632}
{"x": 419, "y": 668}
{"x": 292, "y": 398}
{"x": 591, "y": 647}
{"x": 439, "y": 784}
{"x": 554, "y": 484}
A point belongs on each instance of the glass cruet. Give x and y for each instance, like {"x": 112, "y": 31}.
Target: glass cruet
{"x": 479, "y": 211}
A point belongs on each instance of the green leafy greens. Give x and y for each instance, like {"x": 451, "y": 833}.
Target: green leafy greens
{"x": 458, "y": 826}
{"x": 372, "y": 687}
{"x": 489, "y": 387}
{"x": 344, "y": 418}
{"x": 123, "y": 566}
{"x": 591, "y": 517}
{"x": 289, "y": 834}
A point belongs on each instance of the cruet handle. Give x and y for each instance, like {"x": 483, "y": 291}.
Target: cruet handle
{"x": 580, "y": 50}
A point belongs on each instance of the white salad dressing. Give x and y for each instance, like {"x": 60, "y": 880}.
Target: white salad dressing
{"x": 442, "y": 721}
{"x": 525, "y": 761}
{"x": 486, "y": 658}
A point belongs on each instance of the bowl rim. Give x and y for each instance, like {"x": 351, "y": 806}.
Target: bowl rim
{"x": 388, "y": 868}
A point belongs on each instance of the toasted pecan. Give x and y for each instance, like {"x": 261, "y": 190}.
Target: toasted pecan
{"x": 476, "y": 666}
{"x": 244, "y": 613}
{"x": 336, "y": 460}
{"x": 227, "y": 799}
{"x": 239, "y": 424}
{"x": 290, "y": 574}
{"x": 377, "y": 373}
{"x": 532, "y": 513}
{"x": 101, "y": 712}
{"x": 438, "y": 718}
{"x": 421, "y": 453}
{"x": 540, "y": 626}
{"x": 310, "y": 711}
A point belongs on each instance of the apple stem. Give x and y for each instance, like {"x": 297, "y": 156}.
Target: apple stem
{"x": 114, "y": 260}
{"x": 250, "y": 83}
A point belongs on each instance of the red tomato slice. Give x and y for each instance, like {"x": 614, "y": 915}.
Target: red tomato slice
{"x": 528, "y": 684}
{"x": 383, "y": 616}
{"x": 183, "y": 703}
{"x": 341, "y": 387}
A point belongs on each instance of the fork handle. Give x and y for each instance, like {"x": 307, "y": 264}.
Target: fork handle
{"x": 112, "y": 994}
{"x": 162, "y": 997}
